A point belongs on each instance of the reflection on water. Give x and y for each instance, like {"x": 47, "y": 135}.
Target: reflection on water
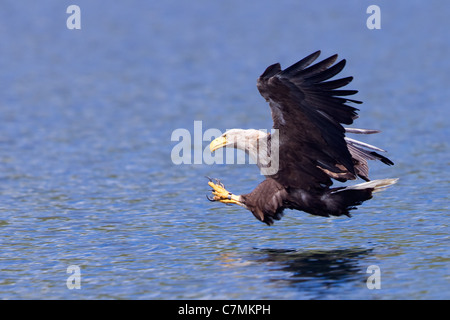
{"x": 317, "y": 271}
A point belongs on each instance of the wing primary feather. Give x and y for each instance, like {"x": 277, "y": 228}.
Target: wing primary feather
{"x": 361, "y": 131}
{"x": 328, "y": 73}
{"x": 362, "y": 144}
{"x": 317, "y": 68}
{"x": 302, "y": 64}
{"x": 340, "y": 92}
{"x": 334, "y": 84}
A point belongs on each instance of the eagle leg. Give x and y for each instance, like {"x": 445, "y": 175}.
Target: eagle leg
{"x": 221, "y": 194}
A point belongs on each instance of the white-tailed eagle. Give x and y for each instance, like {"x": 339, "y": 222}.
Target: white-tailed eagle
{"x": 308, "y": 112}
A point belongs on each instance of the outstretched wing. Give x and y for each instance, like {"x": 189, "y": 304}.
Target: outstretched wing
{"x": 308, "y": 112}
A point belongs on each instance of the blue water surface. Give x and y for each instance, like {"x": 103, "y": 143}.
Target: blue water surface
{"x": 86, "y": 173}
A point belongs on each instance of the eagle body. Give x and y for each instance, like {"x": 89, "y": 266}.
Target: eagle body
{"x": 308, "y": 112}
{"x": 269, "y": 199}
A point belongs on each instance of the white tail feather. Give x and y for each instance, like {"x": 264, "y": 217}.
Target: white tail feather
{"x": 377, "y": 185}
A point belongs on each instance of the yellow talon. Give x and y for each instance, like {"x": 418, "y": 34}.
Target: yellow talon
{"x": 221, "y": 194}
{"x": 219, "y": 190}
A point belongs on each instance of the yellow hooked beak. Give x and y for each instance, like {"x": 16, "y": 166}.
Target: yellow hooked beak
{"x": 218, "y": 143}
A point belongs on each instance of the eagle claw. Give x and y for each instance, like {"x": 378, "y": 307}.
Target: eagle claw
{"x": 219, "y": 193}
{"x": 217, "y": 181}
